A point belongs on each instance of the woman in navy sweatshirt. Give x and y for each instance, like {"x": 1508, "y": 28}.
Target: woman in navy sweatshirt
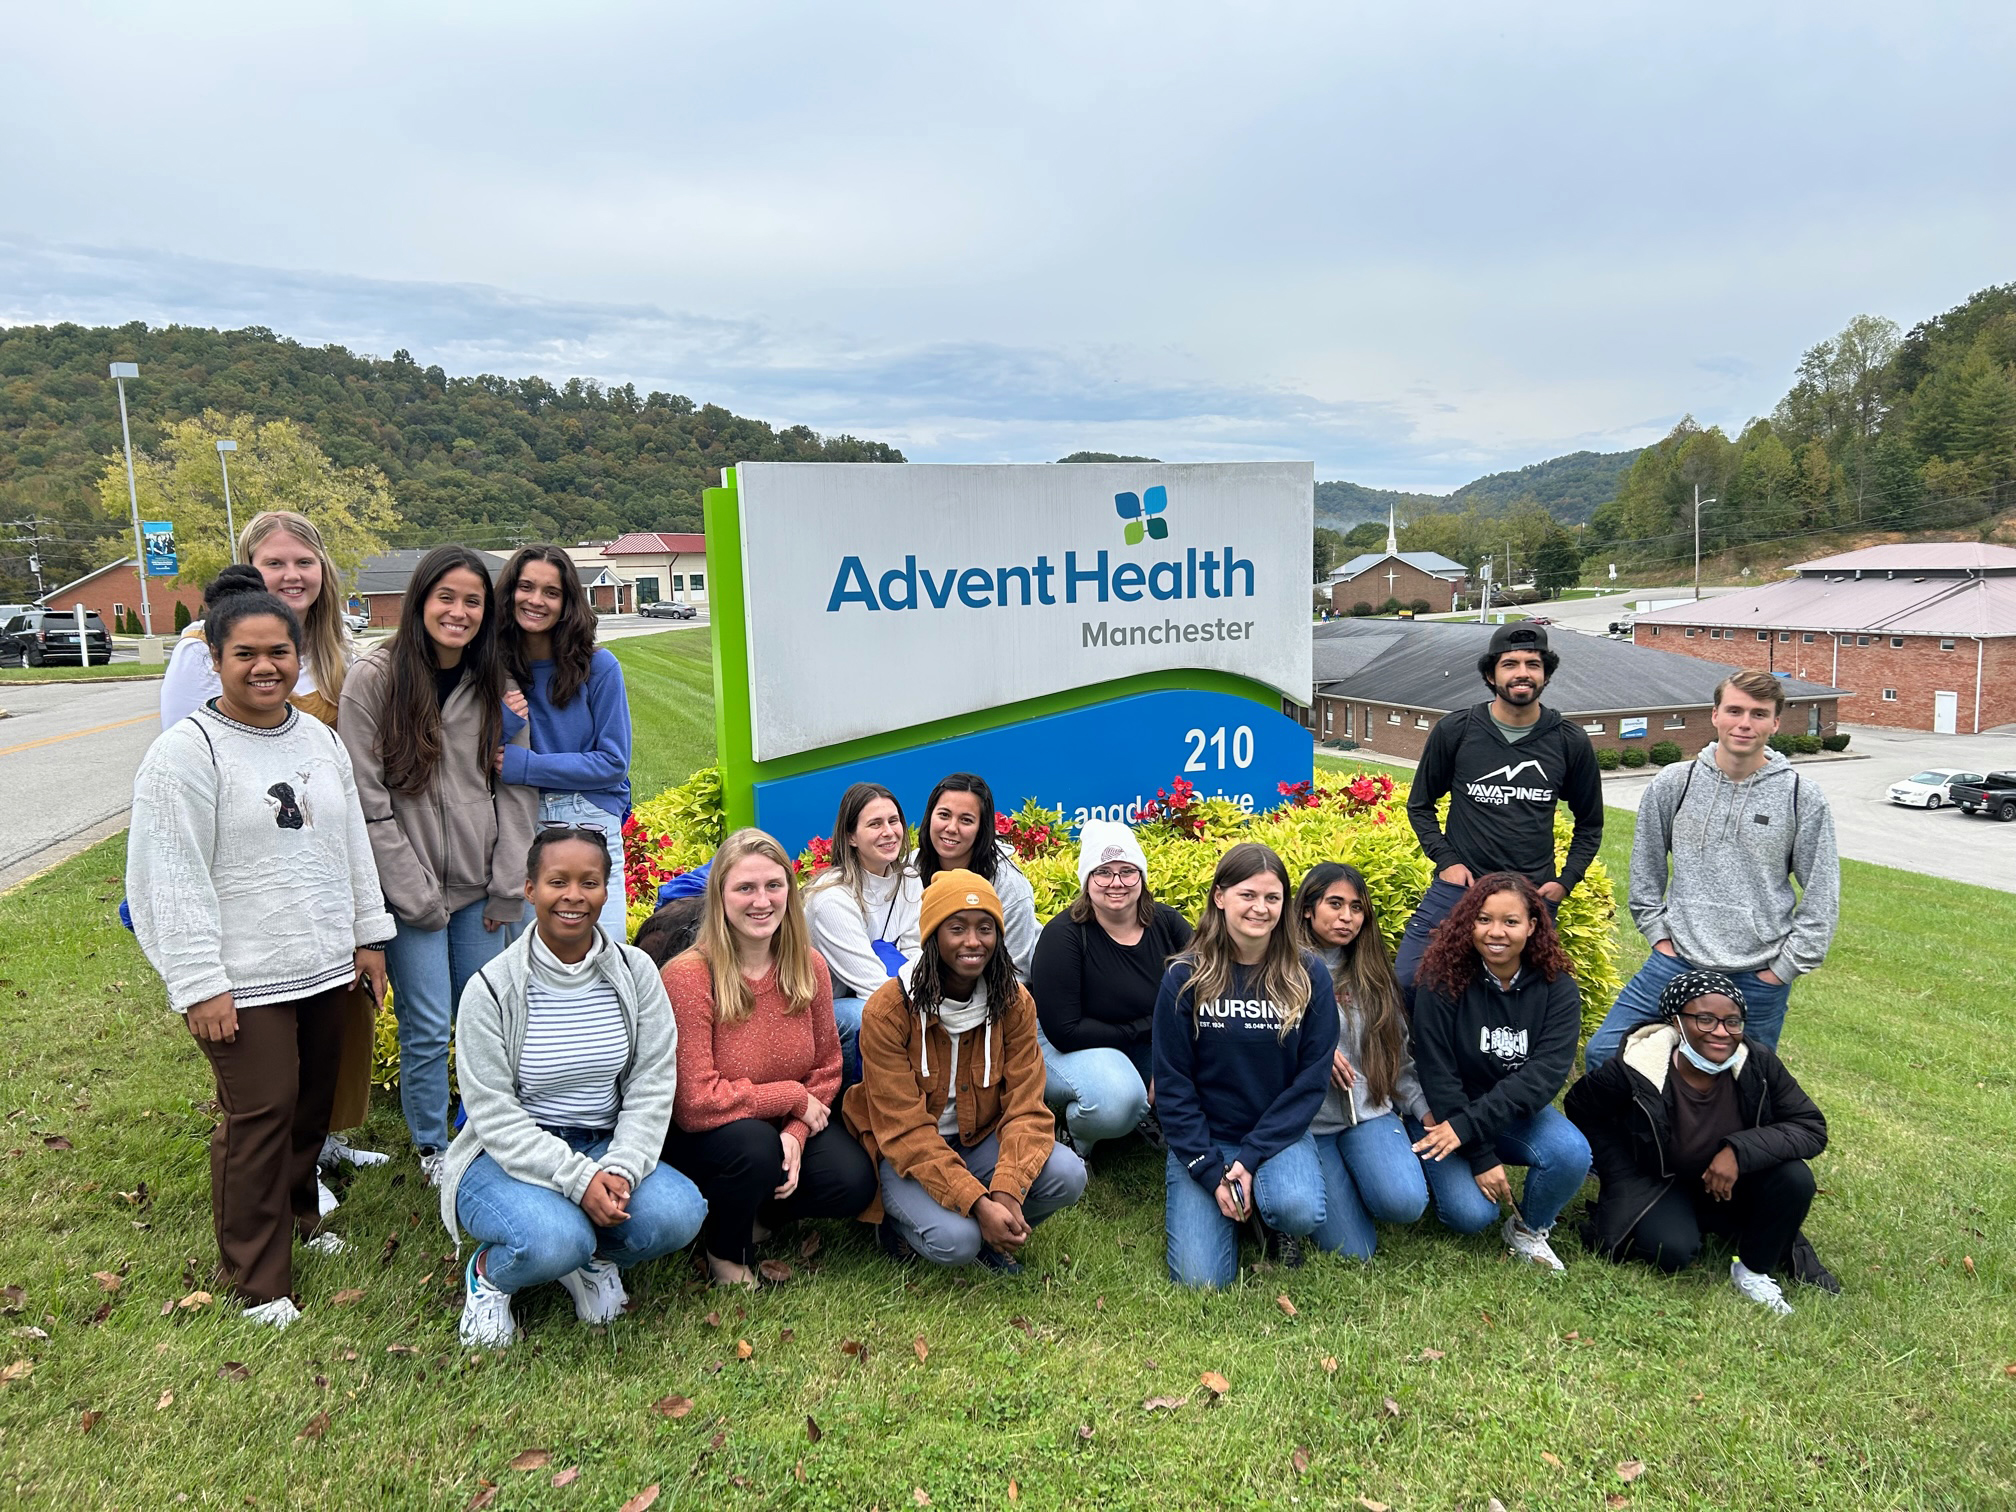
{"x": 1245, "y": 1027}
{"x": 574, "y": 699}
{"x": 1496, "y": 1018}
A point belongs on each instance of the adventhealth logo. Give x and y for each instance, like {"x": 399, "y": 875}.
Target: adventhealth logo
{"x": 1143, "y": 514}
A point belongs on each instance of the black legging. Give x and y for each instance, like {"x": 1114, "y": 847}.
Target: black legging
{"x": 739, "y": 1165}
{"x": 1762, "y": 1215}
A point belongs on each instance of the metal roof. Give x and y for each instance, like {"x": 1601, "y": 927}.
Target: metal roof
{"x": 390, "y": 571}
{"x": 1920, "y": 556}
{"x": 653, "y": 542}
{"x": 1431, "y": 562}
{"x": 1925, "y": 605}
{"x": 1431, "y": 666}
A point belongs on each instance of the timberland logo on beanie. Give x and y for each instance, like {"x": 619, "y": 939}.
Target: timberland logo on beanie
{"x": 951, "y": 891}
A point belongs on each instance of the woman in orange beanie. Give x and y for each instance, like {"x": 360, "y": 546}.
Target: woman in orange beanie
{"x": 950, "y": 1104}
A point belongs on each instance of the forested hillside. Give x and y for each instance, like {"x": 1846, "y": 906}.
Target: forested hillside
{"x": 483, "y": 458}
{"x": 1569, "y": 488}
{"x": 1342, "y": 505}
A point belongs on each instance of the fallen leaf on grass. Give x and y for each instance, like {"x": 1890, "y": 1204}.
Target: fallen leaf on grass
{"x": 1494, "y": 1505}
{"x": 810, "y": 1247}
{"x": 2010, "y": 1371}
{"x": 87, "y": 1420}
{"x": 1967, "y": 1264}
{"x": 812, "y": 1433}
{"x": 786, "y": 1335}
{"x": 1629, "y": 1470}
{"x": 921, "y": 1497}
{"x": 100, "y": 1314}
{"x": 1285, "y": 1305}
{"x": 921, "y": 1349}
{"x": 1390, "y": 1407}
{"x": 486, "y": 1493}
{"x": 137, "y": 1197}
{"x": 1329, "y": 1364}
{"x": 401, "y": 1349}
{"x": 531, "y": 1459}
{"x": 567, "y": 1477}
{"x": 856, "y": 1350}
{"x": 712, "y": 1320}
{"x": 1552, "y": 1459}
{"x": 345, "y": 1297}
{"x": 194, "y": 1300}
{"x": 1014, "y": 1491}
{"x": 27, "y": 1333}
{"x": 167, "y": 1400}
{"x": 57, "y": 1142}
{"x": 798, "y": 1472}
{"x": 674, "y": 1406}
{"x": 744, "y": 1349}
{"x": 1023, "y": 1324}
{"x": 775, "y": 1271}
{"x": 1215, "y": 1383}
{"x": 167, "y": 1307}
{"x": 20, "y": 1370}
{"x": 231, "y": 1370}
{"x": 1614, "y": 1501}
{"x": 1373, "y": 1506}
{"x": 641, "y": 1500}
{"x": 717, "y": 1441}
{"x": 1300, "y": 1459}
{"x": 391, "y": 1248}
{"x": 108, "y": 1280}
{"x": 1164, "y": 1403}
{"x": 1432, "y": 1354}
{"x": 1489, "y": 1321}
{"x": 1085, "y": 1432}
{"x": 11, "y": 1298}
{"x": 321, "y": 1383}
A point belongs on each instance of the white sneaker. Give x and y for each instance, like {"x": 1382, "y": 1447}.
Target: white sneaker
{"x": 327, "y": 1243}
{"x": 276, "y": 1314}
{"x": 338, "y": 1150}
{"x": 1531, "y": 1244}
{"x": 597, "y": 1290}
{"x": 486, "y": 1312}
{"x": 431, "y": 1162}
{"x": 1759, "y": 1288}
{"x": 325, "y": 1200}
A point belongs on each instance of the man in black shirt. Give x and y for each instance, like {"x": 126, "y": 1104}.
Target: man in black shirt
{"x": 1504, "y": 764}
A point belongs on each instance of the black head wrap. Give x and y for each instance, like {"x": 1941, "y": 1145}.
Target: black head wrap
{"x": 1690, "y": 985}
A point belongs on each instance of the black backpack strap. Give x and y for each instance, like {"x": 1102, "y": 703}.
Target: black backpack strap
{"x": 1685, "y": 783}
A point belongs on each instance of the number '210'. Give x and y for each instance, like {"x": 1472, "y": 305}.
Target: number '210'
{"x": 1242, "y": 748}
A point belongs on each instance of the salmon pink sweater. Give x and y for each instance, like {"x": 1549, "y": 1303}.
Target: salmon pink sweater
{"x": 762, "y": 1067}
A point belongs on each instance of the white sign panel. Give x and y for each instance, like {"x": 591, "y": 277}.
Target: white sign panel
{"x": 884, "y": 596}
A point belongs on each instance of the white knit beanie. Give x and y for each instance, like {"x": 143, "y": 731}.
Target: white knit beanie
{"x": 1104, "y": 840}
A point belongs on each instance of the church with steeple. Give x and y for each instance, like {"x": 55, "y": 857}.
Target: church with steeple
{"x": 1376, "y": 582}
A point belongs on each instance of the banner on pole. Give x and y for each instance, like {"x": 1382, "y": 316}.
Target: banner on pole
{"x": 158, "y": 538}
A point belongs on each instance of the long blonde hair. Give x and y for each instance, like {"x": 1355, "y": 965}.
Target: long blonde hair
{"x": 790, "y": 946}
{"x": 328, "y": 638}
{"x": 1283, "y": 980}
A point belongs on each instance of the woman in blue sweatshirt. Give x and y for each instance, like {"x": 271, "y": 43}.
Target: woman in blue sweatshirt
{"x": 1245, "y": 1028}
{"x": 1496, "y": 1018}
{"x": 574, "y": 700}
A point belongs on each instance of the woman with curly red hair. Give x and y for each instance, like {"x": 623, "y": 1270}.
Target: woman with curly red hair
{"x": 1496, "y": 1018}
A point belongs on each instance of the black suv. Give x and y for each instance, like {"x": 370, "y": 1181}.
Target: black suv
{"x": 43, "y": 637}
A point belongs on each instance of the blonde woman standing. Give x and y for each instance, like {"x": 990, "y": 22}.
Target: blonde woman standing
{"x": 759, "y": 1063}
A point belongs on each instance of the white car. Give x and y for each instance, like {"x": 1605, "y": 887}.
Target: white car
{"x": 1927, "y": 790}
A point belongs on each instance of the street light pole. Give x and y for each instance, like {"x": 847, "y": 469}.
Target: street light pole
{"x": 121, "y": 371}
{"x": 1698, "y": 502}
{"x": 230, "y": 526}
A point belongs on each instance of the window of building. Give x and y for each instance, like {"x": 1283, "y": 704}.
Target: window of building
{"x": 119, "y": 613}
{"x": 1889, "y": 695}
{"x": 1897, "y": 643}
{"x": 678, "y": 582}
{"x": 1784, "y": 635}
{"x": 1764, "y": 635}
{"x": 1807, "y": 638}
{"x": 1676, "y": 721}
{"x": 1688, "y": 632}
{"x": 1655, "y": 629}
{"x": 1861, "y": 640}
{"x": 1392, "y": 716}
{"x": 1945, "y": 645}
{"x": 1421, "y": 721}
{"x": 1594, "y": 727}
{"x": 647, "y": 590}
{"x": 698, "y": 582}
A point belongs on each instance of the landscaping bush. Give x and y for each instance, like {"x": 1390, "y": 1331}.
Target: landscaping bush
{"x": 1834, "y": 743}
{"x": 1782, "y": 744}
{"x": 1391, "y": 606}
{"x": 1806, "y": 745}
{"x": 1362, "y": 609}
{"x": 181, "y": 617}
{"x": 1421, "y": 606}
{"x": 1608, "y": 757}
{"x": 1634, "y": 756}
{"x": 1665, "y": 753}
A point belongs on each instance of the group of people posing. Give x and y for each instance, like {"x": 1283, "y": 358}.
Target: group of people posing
{"x": 899, "y": 1041}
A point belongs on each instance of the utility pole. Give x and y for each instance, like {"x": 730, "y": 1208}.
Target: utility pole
{"x": 121, "y": 371}
{"x": 33, "y": 542}
{"x": 224, "y": 448}
{"x": 1698, "y": 502}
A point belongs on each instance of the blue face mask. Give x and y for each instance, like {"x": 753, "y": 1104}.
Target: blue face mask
{"x": 1701, "y": 1062}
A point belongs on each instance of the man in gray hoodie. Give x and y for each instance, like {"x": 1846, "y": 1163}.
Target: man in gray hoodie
{"x": 1740, "y": 827}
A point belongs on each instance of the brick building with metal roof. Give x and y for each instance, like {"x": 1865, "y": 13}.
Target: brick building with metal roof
{"x": 1924, "y": 633}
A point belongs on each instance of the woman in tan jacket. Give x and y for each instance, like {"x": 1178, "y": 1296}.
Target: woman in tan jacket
{"x": 950, "y": 1104}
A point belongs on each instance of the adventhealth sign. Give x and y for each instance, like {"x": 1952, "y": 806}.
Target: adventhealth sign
{"x": 1076, "y": 634}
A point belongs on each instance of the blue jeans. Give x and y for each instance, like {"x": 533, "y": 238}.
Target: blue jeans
{"x": 1764, "y": 1005}
{"x": 429, "y": 968}
{"x": 947, "y": 1238}
{"x": 1102, "y": 1093}
{"x": 1370, "y": 1175}
{"x": 572, "y": 808}
{"x": 1204, "y": 1243}
{"x": 1555, "y": 1155}
{"x": 536, "y": 1235}
{"x": 847, "y": 1019}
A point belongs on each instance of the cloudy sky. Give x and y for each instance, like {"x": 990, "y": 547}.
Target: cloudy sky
{"x": 1413, "y": 242}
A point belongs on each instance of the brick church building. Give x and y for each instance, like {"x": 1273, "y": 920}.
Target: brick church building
{"x": 1412, "y": 577}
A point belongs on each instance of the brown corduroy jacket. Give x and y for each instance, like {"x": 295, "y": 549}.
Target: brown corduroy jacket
{"x": 893, "y": 1110}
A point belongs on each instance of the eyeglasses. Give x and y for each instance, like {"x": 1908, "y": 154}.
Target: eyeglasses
{"x": 563, "y": 828}
{"x": 1116, "y": 876}
{"x": 1707, "y": 1023}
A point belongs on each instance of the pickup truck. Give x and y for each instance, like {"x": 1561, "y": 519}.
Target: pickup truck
{"x": 1994, "y": 795}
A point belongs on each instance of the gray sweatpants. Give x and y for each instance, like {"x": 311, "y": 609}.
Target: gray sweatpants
{"x": 947, "y": 1238}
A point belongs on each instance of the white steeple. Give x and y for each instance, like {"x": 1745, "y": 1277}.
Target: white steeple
{"x": 1392, "y": 534}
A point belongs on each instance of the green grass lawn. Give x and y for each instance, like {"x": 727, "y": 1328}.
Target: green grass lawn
{"x": 670, "y": 678}
{"x": 1439, "y": 1376}
{"x": 74, "y": 673}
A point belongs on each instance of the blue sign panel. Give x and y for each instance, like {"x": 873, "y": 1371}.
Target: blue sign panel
{"x": 1631, "y": 729}
{"x": 1100, "y": 762}
{"x": 157, "y": 537}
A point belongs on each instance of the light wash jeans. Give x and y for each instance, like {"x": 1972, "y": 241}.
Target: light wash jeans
{"x": 535, "y": 1235}
{"x": 429, "y": 968}
{"x": 1370, "y": 1175}
{"x": 573, "y": 808}
{"x": 1555, "y": 1155}
{"x": 1204, "y": 1243}
{"x": 947, "y": 1238}
{"x": 1764, "y": 1005}
{"x": 1102, "y": 1093}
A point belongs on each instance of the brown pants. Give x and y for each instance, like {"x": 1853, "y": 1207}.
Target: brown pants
{"x": 275, "y": 1083}
{"x": 353, "y": 1075}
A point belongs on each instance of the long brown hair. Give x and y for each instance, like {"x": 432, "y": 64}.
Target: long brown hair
{"x": 573, "y": 634}
{"x": 409, "y": 729}
{"x": 790, "y": 946}
{"x": 1283, "y": 979}
{"x": 1451, "y": 960}
{"x": 327, "y": 638}
{"x": 846, "y": 869}
{"x": 1366, "y": 986}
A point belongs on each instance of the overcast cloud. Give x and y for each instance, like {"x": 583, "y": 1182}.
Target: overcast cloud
{"x": 1414, "y": 243}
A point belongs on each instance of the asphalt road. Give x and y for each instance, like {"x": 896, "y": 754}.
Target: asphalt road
{"x": 67, "y": 758}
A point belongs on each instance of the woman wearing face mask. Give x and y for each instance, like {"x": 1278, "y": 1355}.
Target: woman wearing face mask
{"x": 862, "y": 910}
{"x": 423, "y": 719}
{"x": 958, "y": 835}
{"x": 1370, "y": 1171}
{"x": 1695, "y": 1130}
{"x": 1099, "y": 966}
{"x": 572, "y": 693}
{"x": 950, "y": 1105}
{"x": 1245, "y": 1036}
{"x": 252, "y": 889}
{"x": 1496, "y": 1018}
{"x": 567, "y": 1054}
{"x": 759, "y": 1063}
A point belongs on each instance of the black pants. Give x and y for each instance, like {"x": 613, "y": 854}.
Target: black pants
{"x": 1762, "y": 1215}
{"x": 739, "y": 1165}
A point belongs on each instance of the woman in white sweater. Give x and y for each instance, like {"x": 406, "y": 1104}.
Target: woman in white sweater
{"x": 251, "y": 884}
{"x": 863, "y": 910}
